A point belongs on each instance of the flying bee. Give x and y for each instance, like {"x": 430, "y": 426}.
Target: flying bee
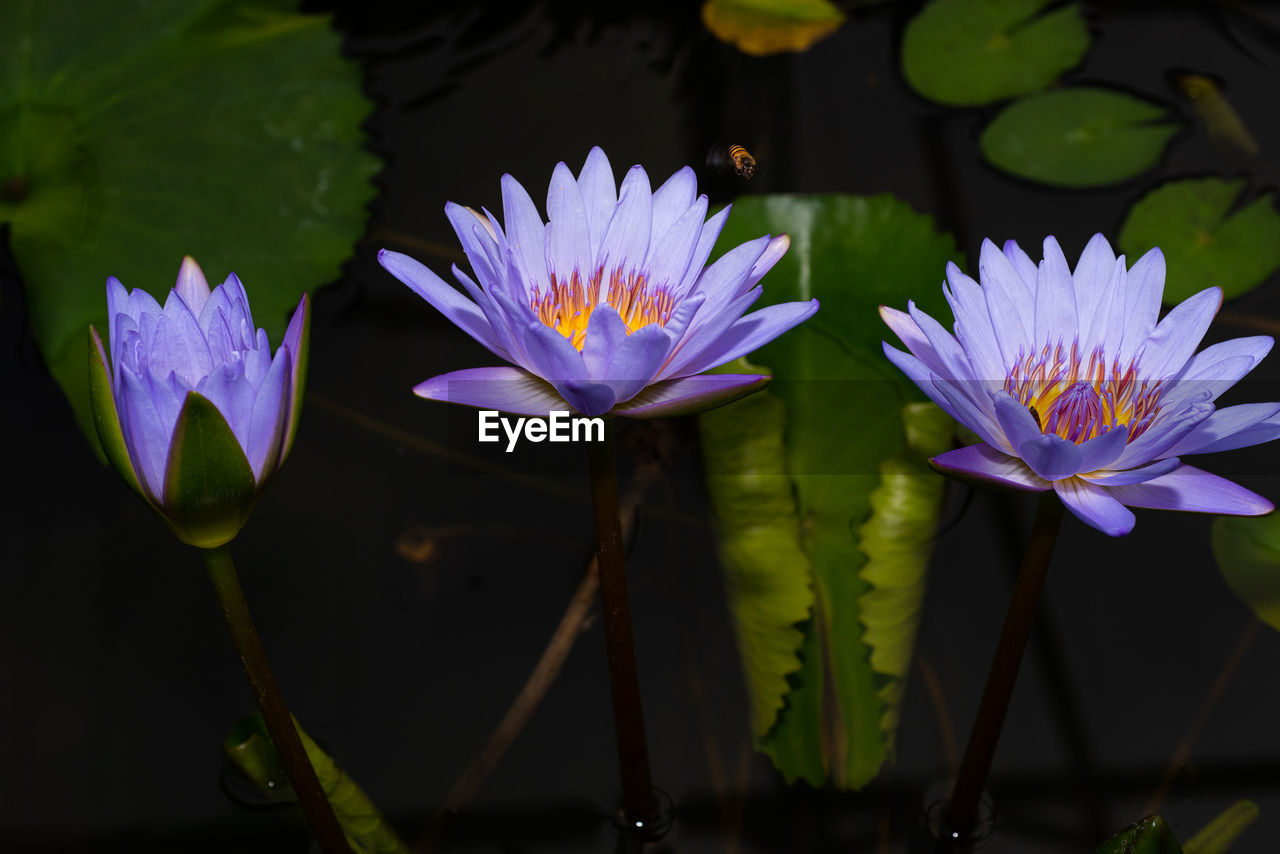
{"x": 734, "y": 159}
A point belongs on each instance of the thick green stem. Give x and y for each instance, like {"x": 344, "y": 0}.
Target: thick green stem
{"x": 271, "y": 703}
{"x": 628, "y": 716}
{"x": 962, "y": 812}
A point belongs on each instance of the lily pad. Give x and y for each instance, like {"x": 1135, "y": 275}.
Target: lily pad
{"x": 139, "y": 132}
{"x": 1247, "y": 549}
{"x": 1080, "y": 137}
{"x": 764, "y": 27}
{"x": 842, "y": 404}
{"x": 1205, "y": 241}
{"x": 965, "y": 53}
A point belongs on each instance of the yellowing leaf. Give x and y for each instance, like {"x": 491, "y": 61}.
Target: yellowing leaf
{"x": 764, "y": 27}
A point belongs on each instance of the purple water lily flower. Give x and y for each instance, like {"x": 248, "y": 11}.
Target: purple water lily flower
{"x": 192, "y": 408}
{"x": 607, "y": 307}
{"x": 1073, "y": 386}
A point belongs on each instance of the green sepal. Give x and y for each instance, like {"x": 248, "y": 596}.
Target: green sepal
{"x": 106, "y": 418}
{"x": 209, "y": 486}
{"x": 299, "y": 379}
{"x": 1149, "y": 836}
{"x": 249, "y": 747}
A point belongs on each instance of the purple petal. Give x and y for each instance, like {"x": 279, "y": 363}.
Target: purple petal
{"x": 192, "y": 285}
{"x": 1094, "y": 273}
{"x": 1095, "y": 506}
{"x": 672, "y": 201}
{"x": 1144, "y": 286}
{"x": 910, "y": 334}
{"x": 702, "y": 251}
{"x": 599, "y": 196}
{"x": 690, "y": 394}
{"x": 1224, "y": 364}
{"x": 973, "y": 325}
{"x": 1103, "y": 449}
{"x": 1009, "y": 303}
{"x": 293, "y": 343}
{"x": 146, "y": 434}
{"x": 1138, "y": 475}
{"x": 670, "y": 257}
{"x": 751, "y": 332}
{"x": 626, "y": 240}
{"x": 233, "y": 396}
{"x": 526, "y": 235}
{"x": 1057, "y": 318}
{"x": 1230, "y": 428}
{"x": 551, "y": 355}
{"x": 955, "y": 360}
{"x": 587, "y": 397}
{"x": 706, "y": 327}
{"x": 1107, "y": 324}
{"x": 1022, "y": 263}
{"x": 984, "y": 463}
{"x": 477, "y": 243}
{"x": 1190, "y": 489}
{"x": 568, "y": 240}
{"x": 1163, "y": 436}
{"x": 625, "y": 362}
{"x": 268, "y": 418}
{"x": 503, "y": 388}
{"x": 1168, "y": 348}
{"x": 772, "y": 254}
{"x": 1016, "y": 422}
{"x": 461, "y": 311}
{"x": 1051, "y": 456}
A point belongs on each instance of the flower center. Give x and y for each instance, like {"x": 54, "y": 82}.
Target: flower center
{"x": 567, "y": 304}
{"x": 1078, "y": 399}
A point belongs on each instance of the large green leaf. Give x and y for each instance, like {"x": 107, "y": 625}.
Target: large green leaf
{"x": 766, "y": 572}
{"x": 842, "y": 402}
{"x": 1205, "y": 242}
{"x": 1247, "y": 549}
{"x": 1080, "y": 137}
{"x": 138, "y": 132}
{"x": 968, "y": 52}
{"x": 897, "y": 541}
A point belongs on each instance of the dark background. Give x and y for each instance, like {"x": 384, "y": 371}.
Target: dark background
{"x": 118, "y": 677}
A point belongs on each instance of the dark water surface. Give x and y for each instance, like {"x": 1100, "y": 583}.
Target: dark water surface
{"x": 118, "y": 678}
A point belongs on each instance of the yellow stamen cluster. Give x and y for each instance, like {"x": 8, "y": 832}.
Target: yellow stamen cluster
{"x": 1101, "y": 397}
{"x": 567, "y": 304}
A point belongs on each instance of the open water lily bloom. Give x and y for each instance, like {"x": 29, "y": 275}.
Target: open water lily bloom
{"x": 1074, "y": 386}
{"x": 192, "y": 408}
{"x": 607, "y": 307}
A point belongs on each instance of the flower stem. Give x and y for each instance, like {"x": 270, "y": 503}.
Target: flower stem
{"x": 280, "y": 725}
{"x": 624, "y": 681}
{"x": 962, "y": 812}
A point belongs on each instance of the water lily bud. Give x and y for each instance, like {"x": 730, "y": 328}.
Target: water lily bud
{"x": 192, "y": 409}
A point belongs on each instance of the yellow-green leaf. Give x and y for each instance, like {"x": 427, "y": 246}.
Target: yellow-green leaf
{"x": 763, "y": 27}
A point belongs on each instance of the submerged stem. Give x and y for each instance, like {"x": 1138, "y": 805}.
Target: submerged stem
{"x": 962, "y": 812}
{"x": 624, "y": 681}
{"x": 288, "y": 745}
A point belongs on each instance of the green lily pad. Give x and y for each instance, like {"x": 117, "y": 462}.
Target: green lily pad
{"x": 1204, "y": 241}
{"x": 764, "y": 27}
{"x": 138, "y": 132}
{"x": 1247, "y": 549}
{"x": 968, "y": 52}
{"x": 1080, "y": 137}
{"x": 842, "y": 404}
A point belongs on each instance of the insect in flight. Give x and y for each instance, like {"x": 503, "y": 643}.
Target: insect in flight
{"x": 734, "y": 159}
